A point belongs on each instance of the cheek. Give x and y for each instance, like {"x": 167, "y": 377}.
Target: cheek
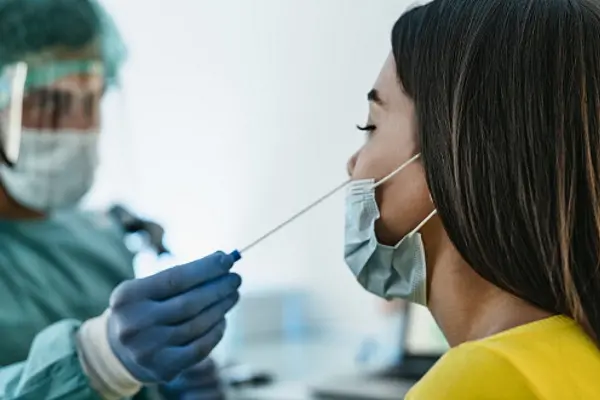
{"x": 403, "y": 204}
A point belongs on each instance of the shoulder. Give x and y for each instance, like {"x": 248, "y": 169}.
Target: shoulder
{"x": 473, "y": 371}
{"x": 89, "y": 220}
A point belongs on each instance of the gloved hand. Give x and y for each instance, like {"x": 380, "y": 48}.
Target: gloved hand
{"x": 164, "y": 324}
{"x": 201, "y": 382}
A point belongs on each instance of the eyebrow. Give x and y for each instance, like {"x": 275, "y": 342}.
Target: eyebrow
{"x": 373, "y": 96}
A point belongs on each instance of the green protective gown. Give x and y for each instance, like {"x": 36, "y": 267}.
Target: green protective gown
{"x": 54, "y": 273}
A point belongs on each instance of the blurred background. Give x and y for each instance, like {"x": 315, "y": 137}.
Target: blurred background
{"x": 232, "y": 115}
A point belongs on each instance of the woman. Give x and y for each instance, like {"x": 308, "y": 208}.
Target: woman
{"x": 491, "y": 108}
{"x": 60, "y": 265}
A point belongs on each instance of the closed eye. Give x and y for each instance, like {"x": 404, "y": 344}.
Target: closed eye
{"x": 366, "y": 128}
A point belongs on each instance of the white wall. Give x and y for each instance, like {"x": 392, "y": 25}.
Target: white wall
{"x": 235, "y": 114}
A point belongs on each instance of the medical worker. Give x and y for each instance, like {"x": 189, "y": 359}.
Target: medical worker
{"x": 59, "y": 265}
{"x": 477, "y": 193}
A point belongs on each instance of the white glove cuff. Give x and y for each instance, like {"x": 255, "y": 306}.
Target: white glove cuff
{"x": 106, "y": 373}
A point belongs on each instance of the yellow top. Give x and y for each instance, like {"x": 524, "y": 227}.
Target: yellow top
{"x": 548, "y": 359}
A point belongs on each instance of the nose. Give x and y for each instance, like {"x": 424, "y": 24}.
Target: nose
{"x": 351, "y": 164}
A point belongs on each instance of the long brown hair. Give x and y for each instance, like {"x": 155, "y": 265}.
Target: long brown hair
{"x": 507, "y": 95}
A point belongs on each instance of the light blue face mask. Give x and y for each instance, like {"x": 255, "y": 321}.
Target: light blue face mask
{"x": 386, "y": 271}
{"x": 54, "y": 170}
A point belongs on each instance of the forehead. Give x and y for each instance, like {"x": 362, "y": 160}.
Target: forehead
{"x": 66, "y": 75}
{"x": 79, "y": 82}
{"x": 388, "y": 85}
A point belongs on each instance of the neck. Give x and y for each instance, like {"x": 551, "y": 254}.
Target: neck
{"x": 11, "y": 210}
{"x": 483, "y": 313}
{"x": 465, "y": 306}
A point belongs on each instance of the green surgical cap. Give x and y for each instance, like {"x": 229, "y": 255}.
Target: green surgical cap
{"x": 39, "y": 32}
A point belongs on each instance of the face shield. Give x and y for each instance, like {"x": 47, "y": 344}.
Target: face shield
{"x": 12, "y": 85}
{"x": 50, "y": 97}
{"x": 50, "y": 121}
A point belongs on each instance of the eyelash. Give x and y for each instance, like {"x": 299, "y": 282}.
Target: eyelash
{"x": 366, "y": 128}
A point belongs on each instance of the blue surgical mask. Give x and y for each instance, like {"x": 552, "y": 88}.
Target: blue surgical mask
{"x": 54, "y": 170}
{"x": 387, "y": 271}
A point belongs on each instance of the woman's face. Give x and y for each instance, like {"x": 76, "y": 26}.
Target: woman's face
{"x": 404, "y": 200}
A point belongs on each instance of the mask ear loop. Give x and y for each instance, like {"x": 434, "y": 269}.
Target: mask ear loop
{"x": 400, "y": 168}
{"x": 390, "y": 176}
{"x": 426, "y": 220}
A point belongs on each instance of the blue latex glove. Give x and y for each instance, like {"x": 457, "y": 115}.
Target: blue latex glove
{"x": 201, "y": 382}
{"x": 164, "y": 324}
